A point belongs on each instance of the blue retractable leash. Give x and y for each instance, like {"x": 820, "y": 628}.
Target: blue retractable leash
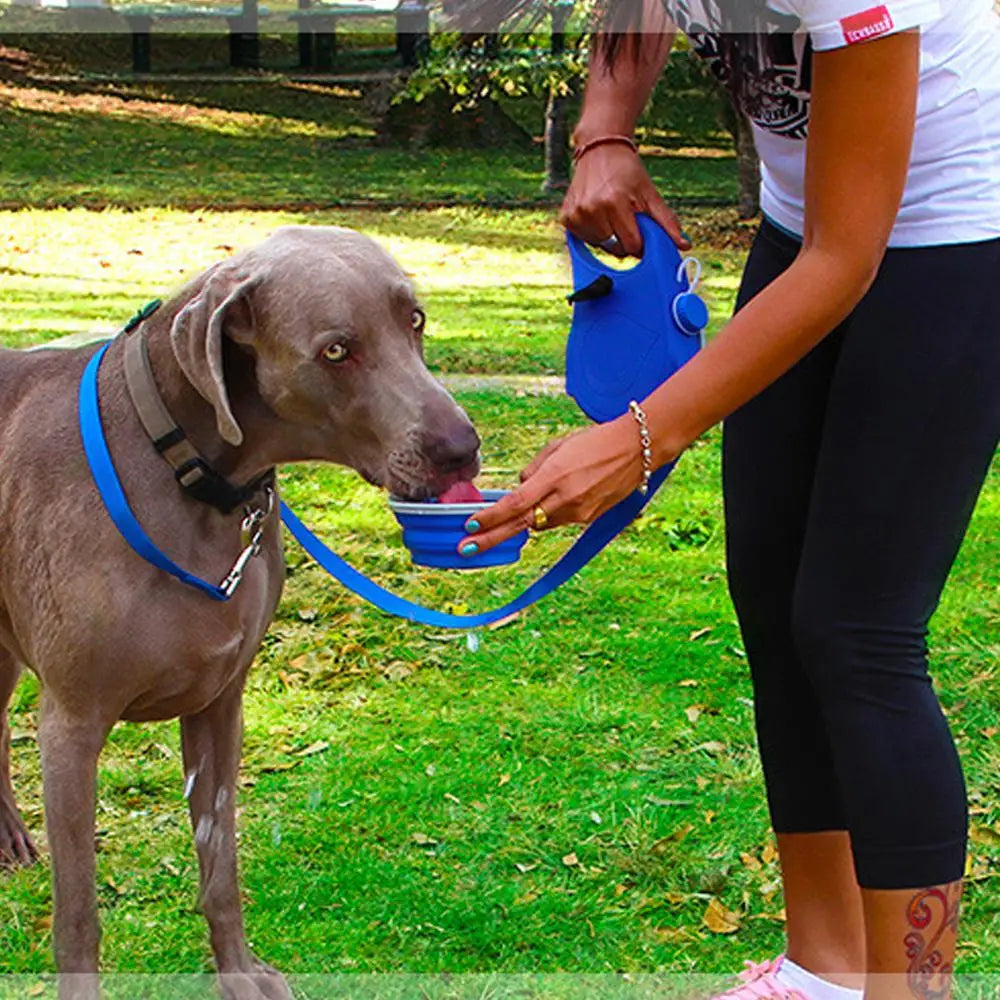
{"x": 631, "y": 330}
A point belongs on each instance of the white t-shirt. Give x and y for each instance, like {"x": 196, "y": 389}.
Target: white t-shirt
{"x": 952, "y": 192}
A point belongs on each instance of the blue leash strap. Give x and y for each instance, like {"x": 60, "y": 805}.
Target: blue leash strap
{"x": 109, "y": 486}
{"x": 607, "y": 527}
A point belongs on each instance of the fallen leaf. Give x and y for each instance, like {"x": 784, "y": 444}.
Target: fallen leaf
{"x": 283, "y": 766}
{"x": 595, "y": 817}
{"x": 712, "y": 746}
{"x": 659, "y": 846}
{"x": 693, "y": 712}
{"x": 709, "y": 815}
{"x": 397, "y": 671}
{"x": 688, "y": 683}
{"x": 524, "y": 869}
{"x": 504, "y": 779}
{"x": 671, "y": 935}
{"x": 570, "y": 860}
{"x": 318, "y": 747}
{"x": 749, "y": 861}
{"x": 453, "y": 798}
{"x": 695, "y": 636}
{"x": 719, "y": 920}
{"x": 984, "y": 835}
{"x": 769, "y": 855}
{"x": 422, "y": 840}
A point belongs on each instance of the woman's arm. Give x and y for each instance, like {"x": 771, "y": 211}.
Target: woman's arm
{"x": 610, "y": 184}
{"x": 860, "y": 137}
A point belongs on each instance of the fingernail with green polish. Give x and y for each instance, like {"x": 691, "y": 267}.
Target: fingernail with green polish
{"x": 472, "y": 526}
{"x": 469, "y": 549}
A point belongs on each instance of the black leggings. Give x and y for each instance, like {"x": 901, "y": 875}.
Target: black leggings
{"x": 849, "y": 484}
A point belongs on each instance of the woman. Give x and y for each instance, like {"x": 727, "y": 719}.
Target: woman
{"x": 860, "y": 382}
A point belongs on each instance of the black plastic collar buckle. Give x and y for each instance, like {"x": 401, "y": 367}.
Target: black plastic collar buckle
{"x": 201, "y": 482}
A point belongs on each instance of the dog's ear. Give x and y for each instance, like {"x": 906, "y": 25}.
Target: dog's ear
{"x": 220, "y": 308}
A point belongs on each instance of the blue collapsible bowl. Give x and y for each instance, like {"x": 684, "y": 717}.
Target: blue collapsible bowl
{"x": 432, "y": 531}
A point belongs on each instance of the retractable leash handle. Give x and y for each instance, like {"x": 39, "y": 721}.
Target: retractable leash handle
{"x": 631, "y": 329}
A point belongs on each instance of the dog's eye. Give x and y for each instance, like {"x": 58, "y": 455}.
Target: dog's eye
{"x": 417, "y": 318}
{"x": 336, "y": 353}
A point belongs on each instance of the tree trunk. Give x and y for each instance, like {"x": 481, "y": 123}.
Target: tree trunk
{"x": 556, "y": 146}
{"x": 556, "y": 117}
{"x": 738, "y": 126}
{"x": 748, "y": 168}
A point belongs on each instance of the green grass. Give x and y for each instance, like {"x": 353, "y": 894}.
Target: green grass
{"x": 568, "y": 797}
{"x": 268, "y": 142}
{"x": 65, "y": 271}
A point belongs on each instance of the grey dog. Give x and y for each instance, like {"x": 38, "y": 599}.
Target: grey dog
{"x": 307, "y": 346}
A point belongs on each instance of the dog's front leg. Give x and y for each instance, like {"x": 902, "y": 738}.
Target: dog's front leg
{"x": 70, "y": 747}
{"x": 211, "y": 743}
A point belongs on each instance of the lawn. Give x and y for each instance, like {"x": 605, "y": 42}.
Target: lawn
{"x": 576, "y": 792}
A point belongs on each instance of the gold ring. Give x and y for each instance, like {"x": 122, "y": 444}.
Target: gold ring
{"x": 539, "y": 519}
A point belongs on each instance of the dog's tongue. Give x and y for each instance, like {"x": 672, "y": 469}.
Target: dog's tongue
{"x": 461, "y": 493}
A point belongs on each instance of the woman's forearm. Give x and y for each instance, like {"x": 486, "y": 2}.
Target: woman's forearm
{"x": 617, "y": 92}
{"x": 758, "y": 345}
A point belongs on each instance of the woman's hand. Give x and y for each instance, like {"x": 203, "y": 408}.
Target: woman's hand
{"x": 573, "y": 480}
{"x": 609, "y": 188}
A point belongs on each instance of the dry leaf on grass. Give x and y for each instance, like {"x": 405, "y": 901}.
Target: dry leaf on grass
{"x": 719, "y": 920}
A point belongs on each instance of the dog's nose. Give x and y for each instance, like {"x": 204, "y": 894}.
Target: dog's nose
{"x": 452, "y": 449}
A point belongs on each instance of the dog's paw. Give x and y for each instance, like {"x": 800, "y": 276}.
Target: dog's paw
{"x": 16, "y": 848}
{"x": 258, "y": 982}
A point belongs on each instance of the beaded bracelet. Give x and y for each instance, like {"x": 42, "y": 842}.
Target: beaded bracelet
{"x": 603, "y": 140}
{"x": 646, "y": 442}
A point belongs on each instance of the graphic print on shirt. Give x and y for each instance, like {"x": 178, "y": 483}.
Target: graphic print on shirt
{"x": 778, "y": 63}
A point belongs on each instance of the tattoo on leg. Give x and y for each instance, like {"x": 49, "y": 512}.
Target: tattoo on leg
{"x": 931, "y": 914}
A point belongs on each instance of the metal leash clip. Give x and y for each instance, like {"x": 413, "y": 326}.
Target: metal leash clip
{"x": 251, "y": 532}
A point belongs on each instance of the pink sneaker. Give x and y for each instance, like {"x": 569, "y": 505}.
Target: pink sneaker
{"x": 760, "y": 982}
